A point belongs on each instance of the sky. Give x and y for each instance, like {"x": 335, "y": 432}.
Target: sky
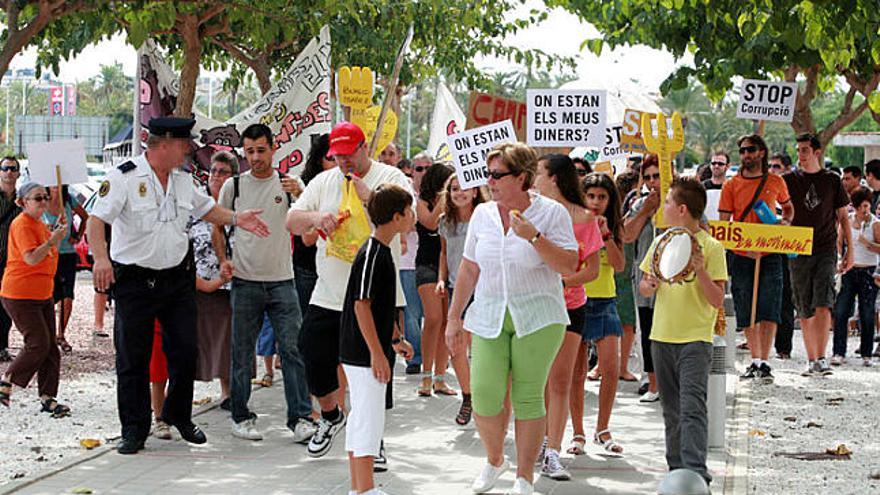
{"x": 649, "y": 67}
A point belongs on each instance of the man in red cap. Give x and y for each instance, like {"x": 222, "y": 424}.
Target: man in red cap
{"x": 318, "y": 208}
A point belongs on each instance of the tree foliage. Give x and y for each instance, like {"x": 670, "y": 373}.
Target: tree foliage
{"x": 815, "y": 42}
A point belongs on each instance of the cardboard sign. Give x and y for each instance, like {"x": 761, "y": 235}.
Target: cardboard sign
{"x": 469, "y": 150}
{"x": 485, "y": 109}
{"x": 368, "y": 121}
{"x": 69, "y": 155}
{"x": 559, "y": 117}
{"x": 354, "y": 85}
{"x": 631, "y": 140}
{"x": 713, "y": 198}
{"x": 766, "y": 100}
{"x": 612, "y": 149}
{"x": 763, "y": 238}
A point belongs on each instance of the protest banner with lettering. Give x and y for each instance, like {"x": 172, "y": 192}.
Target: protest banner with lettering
{"x": 354, "y": 85}
{"x": 763, "y": 238}
{"x": 485, "y": 109}
{"x": 767, "y": 100}
{"x": 631, "y": 140}
{"x": 612, "y": 149}
{"x": 368, "y": 120}
{"x": 447, "y": 120}
{"x": 565, "y": 117}
{"x": 469, "y": 150}
{"x": 296, "y": 108}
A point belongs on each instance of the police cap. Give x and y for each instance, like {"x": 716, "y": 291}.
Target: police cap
{"x": 172, "y": 127}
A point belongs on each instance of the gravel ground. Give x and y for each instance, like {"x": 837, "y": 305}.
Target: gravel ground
{"x": 31, "y": 441}
{"x": 800, "y": 414}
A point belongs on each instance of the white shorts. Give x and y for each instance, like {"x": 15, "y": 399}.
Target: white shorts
{"x": 366, "y": 419}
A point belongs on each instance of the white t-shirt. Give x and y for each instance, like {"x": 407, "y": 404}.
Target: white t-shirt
{"x": 260, "y": 259}
{"x": 513, "y": 277}
{"x": 862, "y": 256}
{"x": 324, "y": 193}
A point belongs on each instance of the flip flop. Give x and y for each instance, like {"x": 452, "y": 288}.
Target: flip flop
{"x": 65, "y": 347}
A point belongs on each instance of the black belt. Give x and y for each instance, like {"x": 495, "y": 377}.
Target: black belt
{"x": 123, "y": 271}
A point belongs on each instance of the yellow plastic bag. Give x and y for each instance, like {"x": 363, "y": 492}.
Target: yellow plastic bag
{"x": 353, "y": 229}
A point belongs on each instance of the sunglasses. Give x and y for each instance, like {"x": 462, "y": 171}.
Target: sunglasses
{"x": 9, "y": 168}
{"x": 747, "y": 149}
{"x": 648, "y": 177}
{"x": 39, "y": 198}
{"x": 776, "y": 166}
{"x": 220, "y": 171}
{"x": 494, "y": 174}
{"x": 582, "y": 172}
{"x": 720, "y": 164}
{"x": 420, "y": 168}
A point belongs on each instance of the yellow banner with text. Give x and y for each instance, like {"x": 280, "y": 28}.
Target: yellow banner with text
{"x": 763, "y": 238}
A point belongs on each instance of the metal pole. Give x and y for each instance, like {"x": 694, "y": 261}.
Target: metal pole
{"x": 7, "y": 115}
{"x": 210, "y": 98}
{"x": 24, "y": 97}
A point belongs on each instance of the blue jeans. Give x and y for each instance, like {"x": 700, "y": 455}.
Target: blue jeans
{"x": 859, "y": 281}
{"x": 305, "y": 281}
{"x": 266, "y": 340}
{"x": 250, "y": 300}
{"x": 412, "y": 314}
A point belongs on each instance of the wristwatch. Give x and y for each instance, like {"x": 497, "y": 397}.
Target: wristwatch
{"x": 534, "y": 239}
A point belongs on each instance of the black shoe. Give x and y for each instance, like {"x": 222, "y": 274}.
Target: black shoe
{"x": 643, "y": 388}
{"x": 128, "y": 446}
{"x": 380, "y": 462}
{"x": 877, "y": 351}
{"x": 5, "y": 357}
{"x": 191, "y": 433}
{"x": 764, "y": 374}
{"x": 226, "y": 404}
{"x": 413, "y": 369}
{"x": 751, "y": 372}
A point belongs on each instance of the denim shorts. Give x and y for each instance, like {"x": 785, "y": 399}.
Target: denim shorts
{"x": 601, "y": 320}
{"x": 742, "y": 276}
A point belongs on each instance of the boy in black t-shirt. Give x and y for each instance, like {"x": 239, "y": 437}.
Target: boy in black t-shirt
{"x": 368, "y": 337}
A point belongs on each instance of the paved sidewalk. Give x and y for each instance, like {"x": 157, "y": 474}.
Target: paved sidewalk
{"x": 427, "y": 452}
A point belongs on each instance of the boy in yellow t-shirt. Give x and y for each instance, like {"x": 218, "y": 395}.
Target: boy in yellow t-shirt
{"x": 684, "y": 319}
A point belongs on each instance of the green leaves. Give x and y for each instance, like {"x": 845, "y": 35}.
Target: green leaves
{"x": 874, "y": 101}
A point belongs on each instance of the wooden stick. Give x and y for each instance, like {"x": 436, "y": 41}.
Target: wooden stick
{"x": 755, "y": 290}
{"x": 392, "y": 88}
{"x": 60, "y": 196}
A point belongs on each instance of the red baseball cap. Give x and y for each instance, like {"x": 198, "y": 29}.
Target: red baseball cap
{"x": 345, "y": 139}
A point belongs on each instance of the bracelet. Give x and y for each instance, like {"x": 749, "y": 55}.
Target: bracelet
{"x": 607, "y": 236}
{"x": 534, "y": 239}
{"x": 234, "y": 219}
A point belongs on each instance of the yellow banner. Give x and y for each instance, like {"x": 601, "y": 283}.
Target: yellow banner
{"x": 763, "y": 238}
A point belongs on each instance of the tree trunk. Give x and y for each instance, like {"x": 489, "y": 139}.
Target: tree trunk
{"x": 264, "y": 75}
{"x": 189, "y": 73}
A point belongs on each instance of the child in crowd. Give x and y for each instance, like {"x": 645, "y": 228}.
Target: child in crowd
{"x": 684, "y": 320}
{"x": 453, "y": 226}
{"x": 369, "y": 337}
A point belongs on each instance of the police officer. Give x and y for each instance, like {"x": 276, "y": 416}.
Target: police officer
{"x": 148, "y": 202}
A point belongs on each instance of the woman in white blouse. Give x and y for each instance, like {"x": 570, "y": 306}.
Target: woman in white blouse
{"x": 516, "y": 249}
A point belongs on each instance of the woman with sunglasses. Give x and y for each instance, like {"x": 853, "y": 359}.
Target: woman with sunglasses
{"x": 27, "y": 296}
{"x": 517, "y": 248}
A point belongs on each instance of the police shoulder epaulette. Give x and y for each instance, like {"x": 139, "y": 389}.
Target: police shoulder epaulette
{"x": 127, "y": 167}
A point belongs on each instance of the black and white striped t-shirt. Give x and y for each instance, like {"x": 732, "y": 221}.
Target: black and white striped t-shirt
{"x": 373, "y": 277}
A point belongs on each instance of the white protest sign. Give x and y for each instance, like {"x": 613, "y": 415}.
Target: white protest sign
{"x": 69, "y": 155}
{"x": 612, "y": 149}
{"x": 557, "y": 117}
{"x": 713, "y": 198}
{"x": 469, "y": 150}
{"x": 766, "y": 100}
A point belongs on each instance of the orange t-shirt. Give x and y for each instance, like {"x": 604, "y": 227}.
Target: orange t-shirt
{"x": 23, "y": 281}
{"x": 739, "y": 190}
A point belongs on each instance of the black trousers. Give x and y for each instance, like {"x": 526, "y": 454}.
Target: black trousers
{"x": 785, "y": 330}
{"x": 142, "y": 296}
{"x": 5, "y": 320}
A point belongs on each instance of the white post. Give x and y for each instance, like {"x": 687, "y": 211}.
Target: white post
{"x": 7, "y": 115}
{"x": 24, "y": 97}
{"x": 210, "y": 98}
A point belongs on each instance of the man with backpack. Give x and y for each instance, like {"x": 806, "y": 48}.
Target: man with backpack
{"x": 263, "y": 283}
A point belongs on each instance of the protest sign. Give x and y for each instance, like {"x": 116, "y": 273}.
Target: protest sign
{"x": 612, "y": 149}
{"x": 763, "y": 238}
{"x": 368, "y": 121}
{"x": 485, "y": 109}
{"x": 713, "y": 198}
{"x": 665, "y": 145}
{"x": 631, "y": 140}
{"x": 354, "y": 85}
{"x": 766, "y": 100}
{"x": 447, "y": 120}
{"x": 469, "y": 150}
{"x": 68, "y": 156}
{"x": 558, "y": 117}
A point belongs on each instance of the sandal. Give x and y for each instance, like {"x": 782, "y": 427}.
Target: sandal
{"x": 265, "y": 382}
{"x": 65, "y": 347}
{"x": 440, "y": 387}
{"x": 425, "y": 387}
{"x": 594, "y": 375}
{"x": 5, "y": 396}
{"x": 628, "y": 378}
{"x": 578, "y": 442}
{"x": 612, "y": 448}
{"x": 464, "y": 413}
{"x": 99, "y": 332}
{"x": 52, "y": 406}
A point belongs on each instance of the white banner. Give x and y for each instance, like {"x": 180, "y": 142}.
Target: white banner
{"x": 68, "y": 155}
{"x": 469, "y": 150}
{"x": 559, "y": 117}
{"x": 447, "y": 120}
{"x": 766, "y": 100}
{"x": 612, "y": 149}
{"x": 296, "y": 108}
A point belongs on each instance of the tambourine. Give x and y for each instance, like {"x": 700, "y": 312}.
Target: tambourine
{"x": 671, "y": 262}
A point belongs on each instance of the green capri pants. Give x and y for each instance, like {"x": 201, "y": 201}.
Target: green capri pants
{"x": 526, "y": 360}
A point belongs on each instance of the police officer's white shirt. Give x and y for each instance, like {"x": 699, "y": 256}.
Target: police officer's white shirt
{"x": 149, "y": 223}
{"x": 324, "y": 194}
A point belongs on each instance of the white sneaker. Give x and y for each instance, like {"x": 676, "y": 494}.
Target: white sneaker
{"x": 541, "y": 453}
{"x": 866, "y": 362}
{"x": 489, "y": 476}
{"x": 162, "y": 431}
{"x": 246, "y": 429}
{"x": 837, "y": 360}
{"x": 650, "y": 397}
{"x": 521, "y": 487}
{"x": 304, "y": 430}
{"x": 552, "y": 468}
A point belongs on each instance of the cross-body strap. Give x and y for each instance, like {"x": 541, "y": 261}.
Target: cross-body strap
{"x": 754, "y": 200}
